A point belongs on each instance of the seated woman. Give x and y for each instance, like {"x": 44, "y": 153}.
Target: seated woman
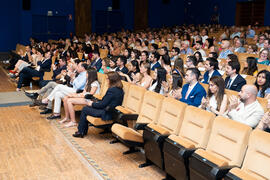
{"x": 159, "y": 77}
{"x": 216, "y": 100}
{"x": 263, "y": 57}
{"x": 173, "y": 88}
{"x": 250, "y": 67}
{"x": 143, "y": 78}
{"x": 263, "y": 83}
{"x": 166, "y": 63}
{"x": 104, "y": 108}
{"x": 133, "y": 69}
{"x": 105, "y": 66}
{"x": 92, "y": 87}
{"x": 32, "y": 61}
{"x": 199, "y": 59}
{"x": 42, "y": 66}
{"x": 179, "y": 67}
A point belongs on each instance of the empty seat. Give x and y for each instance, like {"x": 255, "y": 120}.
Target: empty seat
{"x": 149, "y": 113}
{"x": 169, "y": 122}
{"x": 194, "y": 133}
{"x": 226, "y": 148}
{"x": 257, "y": 159}
{"x": 133, "y": 101}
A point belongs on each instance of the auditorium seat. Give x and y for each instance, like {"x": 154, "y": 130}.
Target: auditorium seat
{"x": 131, "y": 109}
{"x": 194, "y": 134}
{"x": 257, "y": 159}
{"x": 149, "y": 113}
{"x": 226, "y": 149}
{"x": 104, "y": 85}
{"x": 263, "y": 102}
{"x": 154, "y": 135}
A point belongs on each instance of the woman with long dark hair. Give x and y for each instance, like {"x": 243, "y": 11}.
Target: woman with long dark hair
{"x": 92, "y": 87}
{"x": 159, "y": 77}
{"x": 263, "y": 83}
{"x": 173, "y": 87}
{"x": 104, "y": 108}
{"x": 133, "y": 69}
{"x": 250, "y": 67}
{"x": 216, "y": 100}
{"x": 179, "y": 67}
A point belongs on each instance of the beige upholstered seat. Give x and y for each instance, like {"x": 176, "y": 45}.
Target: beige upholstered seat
{"x": 149, "y": 113}
{"x": 226, "y": 147}
{"x": 133, "y": 101}
{"x": 195, "y": 129}
{"x": 257, "y": 159}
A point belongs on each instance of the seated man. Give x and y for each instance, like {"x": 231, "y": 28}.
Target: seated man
{"x": 97, "y": 62}
{"x": 225, "y": 45}
{"x": 192, "y": 92}
{"x": 121, "y": 65}
{"x": 28, "y": 72}
{"x": 211, "y": 67}
{"x": 154, "y": 57}
{"x": 60, "y": 91}
{"x": 234, "y": 81}
{"x": 248, "y": 111}
{"x": 191, "y": 62}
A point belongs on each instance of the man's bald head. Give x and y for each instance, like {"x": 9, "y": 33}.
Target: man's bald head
{"x": 248, "y": 93}
{"x": 251, "y": 89}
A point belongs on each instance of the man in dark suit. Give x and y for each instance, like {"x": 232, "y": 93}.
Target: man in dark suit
{"x": 192, "y": 92}
{"x": 154, "y": 61}
{"x": 234, "y": 81}
{"x": 121, "y": 62}
{"x": 28, "y": 72}
{"x": 97, "y": 62}
{"x": 211, "y": 66}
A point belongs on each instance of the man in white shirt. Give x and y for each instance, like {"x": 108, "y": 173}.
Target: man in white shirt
{"x": 248, "y": 111}
{"x": 198, "y": 47}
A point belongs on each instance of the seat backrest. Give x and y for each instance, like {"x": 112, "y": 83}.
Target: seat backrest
{"x": 249, "y": 79}
{"x": 231, "y": 93}
{"x": 257, "y": 159}
{"x": 150, "y": 107}
{"x": 196, "y": 126}
{"x": 228, "y": 140}
{"x": 171, "y": 115}
{"x": 126, "y": 86}
{"x": 205, "y": 86}
{"x": 263, "y": 102}
{"x": 104, "y": 84}
{"x": 103, "y": 53}
{"x": 262, "y": 67}
{"x": 135, "y": 98}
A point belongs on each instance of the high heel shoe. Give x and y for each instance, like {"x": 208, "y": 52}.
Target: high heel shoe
{"x": 77, "y": 135}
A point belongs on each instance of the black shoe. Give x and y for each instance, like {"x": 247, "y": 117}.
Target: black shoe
{"x": 42, "y": 107}
{"x": 32, "y": 95}
{"x": 46, "y": 111}
{"x": 77, "y": 135}
{"x": 35, "y": 103}
{"x": 53, "y": 117}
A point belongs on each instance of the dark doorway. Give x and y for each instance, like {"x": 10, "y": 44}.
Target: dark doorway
{"x": 83, "y": 17}
{"x": 248, "y": 13}
{"x": 140, "y": 14}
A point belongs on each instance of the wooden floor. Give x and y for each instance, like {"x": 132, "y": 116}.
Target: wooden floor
{"x": 5, "y": 83}
{"x": 32, "y": 147}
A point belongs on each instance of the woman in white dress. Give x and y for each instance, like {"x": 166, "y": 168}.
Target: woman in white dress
{"x": 92, "y": 87}
{"x": 159, "y": 77}
{"x": 143, "y": 78}
{"x": 216, "y": 100}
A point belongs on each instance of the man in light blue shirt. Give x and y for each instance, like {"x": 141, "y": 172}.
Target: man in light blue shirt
{"x": 225, "y": 45}
{"x": 250, "y": 32}
{"x": 185, "y": 48}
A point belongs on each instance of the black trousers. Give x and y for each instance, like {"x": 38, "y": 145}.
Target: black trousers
{"x": 88, "y": 111}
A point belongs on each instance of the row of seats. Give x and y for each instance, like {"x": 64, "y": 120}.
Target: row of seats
{"x": 188, "y": 141}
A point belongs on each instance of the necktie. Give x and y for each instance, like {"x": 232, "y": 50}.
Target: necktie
{"x": 229, "y": 83}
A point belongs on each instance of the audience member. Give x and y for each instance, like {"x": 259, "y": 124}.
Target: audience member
{"x": 234, "y": 81}
{"x": 263, "y": 83}
{"x": 211, "y": 67}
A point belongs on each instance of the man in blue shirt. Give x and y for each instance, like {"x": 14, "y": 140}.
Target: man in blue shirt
{"x": 225, "y": 45}
{"x": 192, "y": 92}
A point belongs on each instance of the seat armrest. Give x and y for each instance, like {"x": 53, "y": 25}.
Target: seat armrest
{"x": 160, "y": 138}
{"x": 140, "y": 126}
{"x": 220, "y": 172}
{"x": 186, "y": 153}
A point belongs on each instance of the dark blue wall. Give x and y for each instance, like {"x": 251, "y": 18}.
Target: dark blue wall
{"x": 17, "y": 24}
{"x": 9, "y": 32}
